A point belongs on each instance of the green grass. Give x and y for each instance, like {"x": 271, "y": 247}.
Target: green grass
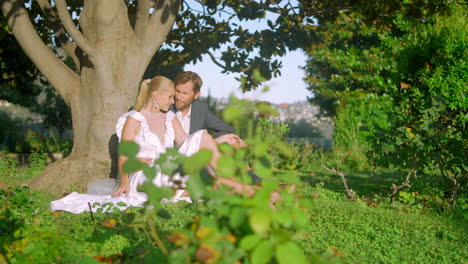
{"x": 370, "y": 230}
{"x": 383, "y": 235}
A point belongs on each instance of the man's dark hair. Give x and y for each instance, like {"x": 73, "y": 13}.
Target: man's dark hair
{"x": 186, "y": 76}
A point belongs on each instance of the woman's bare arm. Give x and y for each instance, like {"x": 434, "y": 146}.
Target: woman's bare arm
{"x": 180, "y": 135}
{"x": 129, "y": 132}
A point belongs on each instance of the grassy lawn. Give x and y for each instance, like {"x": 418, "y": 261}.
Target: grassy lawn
{"x": 368, "y": 230}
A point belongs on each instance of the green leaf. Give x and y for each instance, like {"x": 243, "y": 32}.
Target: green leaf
{"x": 237, "y": 217}
{"x": 247, "y": 243}
{"x": 150, "y": 172}
{"x": 402, "y": 129}
{"x": 168, "y": 163}
{"x": 260, "y": 221}
{"x": 240, "y": 154}
{"x": 398, "y": 141}
{"x": 263, "y": 168}
{"x": 225, "y": 148}
{"x": 128, "y": 148}
{"x": 300, "y": 217}
{"x": 284, "y": 218}
{"x": 196, "y": 187}
{"x": 121, "y": 204}
{"x": 280, "y": 236}
{"x": 163, "y": 213}
{"x": 232, "y": 113}
{"x": 285, "y": 149}
{"x": 196, "y": 162}
{"x": 132, "y": 165}
{"x": 290, "y": 253}
{"x": 261, "y": 148}
{"x": 258, "y": 76}
{"x": 155, "y": 194}
{"x": 226, "y": 166}
{"x": 262, "y": 253}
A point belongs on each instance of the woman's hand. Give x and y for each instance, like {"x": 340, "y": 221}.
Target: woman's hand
{"x": 124, "y": 187}
{"x": 146, "y": 160}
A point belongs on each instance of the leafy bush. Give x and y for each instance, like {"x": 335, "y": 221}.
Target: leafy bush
{"x": 13, "y": 174}
{"x": 8, "y": 131}
{"x": 428, "y": 120}
{"x": 356, "y": 115}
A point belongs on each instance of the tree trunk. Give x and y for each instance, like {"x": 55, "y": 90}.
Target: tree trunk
{"x": 109, "y": 81}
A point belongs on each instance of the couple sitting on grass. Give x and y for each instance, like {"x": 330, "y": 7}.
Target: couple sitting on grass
{"x": 155, "y": 125}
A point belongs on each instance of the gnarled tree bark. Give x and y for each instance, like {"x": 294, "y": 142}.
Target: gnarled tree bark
{"x": 113, "y": 55}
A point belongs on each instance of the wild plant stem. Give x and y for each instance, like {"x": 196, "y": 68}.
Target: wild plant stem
{"x": 155, "y": 235}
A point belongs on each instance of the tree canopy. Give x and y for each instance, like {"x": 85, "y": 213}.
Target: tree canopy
{"x": 110, "y": 43}
{"x": 355, "y": 44}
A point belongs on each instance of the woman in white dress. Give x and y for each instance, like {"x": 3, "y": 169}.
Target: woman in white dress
{"x": 154, "y": 129}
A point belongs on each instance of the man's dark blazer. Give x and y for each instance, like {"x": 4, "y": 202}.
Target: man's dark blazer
{"x": 202, "y": 118}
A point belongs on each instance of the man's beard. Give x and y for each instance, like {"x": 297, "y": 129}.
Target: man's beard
{"x": 181, "y": 106}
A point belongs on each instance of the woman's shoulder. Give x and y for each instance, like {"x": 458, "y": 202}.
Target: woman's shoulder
{"x": 170, "y": 116}
{"x": 134, "y": 114}
{"x": 123, "y": 120}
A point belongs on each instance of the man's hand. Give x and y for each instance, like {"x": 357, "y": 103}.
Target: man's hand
{"x": 232, "y": 140}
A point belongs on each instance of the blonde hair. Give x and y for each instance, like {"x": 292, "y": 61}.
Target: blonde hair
{"x": 148, "y": 86}
{"x": 187, "y": 76}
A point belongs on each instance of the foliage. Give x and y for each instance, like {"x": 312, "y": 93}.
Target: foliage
{"x": 266, "y": 128}
{"x": 428, "y": 122}
{"x": 410, "y": 54}
{"x": 219, "y": 25}
{"x": 240, "y": 227}
{"x": 354, "y": 46}
{"x": 8, "y": 128}
{"x": 11, "y": 172}
{"x": 18, "y": 72}
{"x": 22, "y": 240}
{"x": 21, "y": 82}
{"x": 336, "y": 231}
{"x": 359, "y": 232}
{"x": 23, "y": 140}
{"x": 357, "y": 114}
{"x": 302, "y": 129}
{"x": 57, "y": 114}
{"x": 303, "y": 155}
{"x": 224, "y": 227}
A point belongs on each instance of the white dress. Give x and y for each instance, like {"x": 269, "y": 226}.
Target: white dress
{"x": 150, "y": 147}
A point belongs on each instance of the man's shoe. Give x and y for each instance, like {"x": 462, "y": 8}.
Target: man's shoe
{"x": 255, "y": 179}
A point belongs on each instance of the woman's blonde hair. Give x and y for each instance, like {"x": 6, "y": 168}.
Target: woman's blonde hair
{"x": 148, "y": 86}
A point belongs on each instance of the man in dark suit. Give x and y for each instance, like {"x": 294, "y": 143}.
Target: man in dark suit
{"x": 194, "y": 114}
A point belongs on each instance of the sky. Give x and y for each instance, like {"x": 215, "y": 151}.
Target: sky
{"x": 286, "y": 88}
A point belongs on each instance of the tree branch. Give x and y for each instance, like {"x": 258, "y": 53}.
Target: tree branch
{"x": 74, "y": 33}
{"x": 351, "y": 194}
{"x": 57, "y": 73}
{"x": 267, "y": 7}
{"x": 406, "y": 183}
{"x": 161, "y": 20}
{"x": 142, "y": 17}
{"x": 215, "y": 61}
{"x": 59, "y": 31}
